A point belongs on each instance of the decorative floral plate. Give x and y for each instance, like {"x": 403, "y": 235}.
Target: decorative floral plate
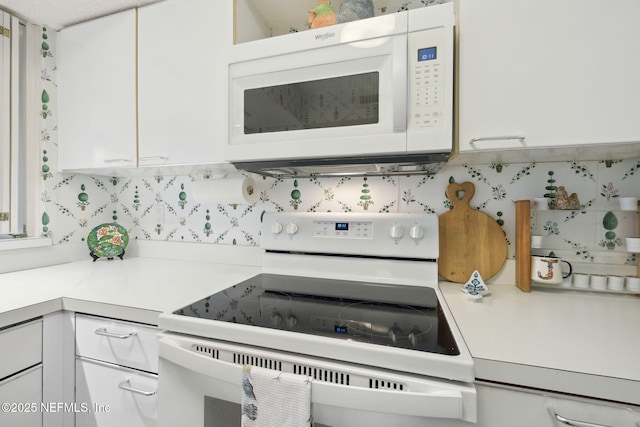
{"x": 107, "y": 241}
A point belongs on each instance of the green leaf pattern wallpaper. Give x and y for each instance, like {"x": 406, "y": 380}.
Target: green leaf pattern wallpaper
{"x": 163, "y": 208}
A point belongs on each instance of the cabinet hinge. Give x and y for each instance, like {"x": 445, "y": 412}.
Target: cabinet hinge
{"x": 5, "y": 31}
{"x": 4, "y": 216}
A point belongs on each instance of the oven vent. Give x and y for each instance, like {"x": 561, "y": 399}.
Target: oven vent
{"x": 207, "y": 351}
{"x": 282, "y": 363}
{"x": 324, "y": 375}
{"x": 389, "y": 385}
{"x": 261, "y": 362}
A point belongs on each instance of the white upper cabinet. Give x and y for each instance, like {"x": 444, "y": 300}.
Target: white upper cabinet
{"x": 97, "y": 93}
{"x": 145, "y": 88}
{"x": 182, "y": 81}
{"x": 547, "y": 73}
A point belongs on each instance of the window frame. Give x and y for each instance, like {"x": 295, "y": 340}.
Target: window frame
{"x": 23, "y": 146}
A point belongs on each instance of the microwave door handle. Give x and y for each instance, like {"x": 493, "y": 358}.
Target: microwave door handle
{"x": 400, "y": 85}
{"x": 400, "y": 118}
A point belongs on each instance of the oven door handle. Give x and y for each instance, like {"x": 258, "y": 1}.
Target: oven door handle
{"x": 204, "y": 365}
{"x": 436, "y": 403}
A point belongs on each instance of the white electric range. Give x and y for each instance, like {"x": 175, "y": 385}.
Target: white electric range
{"x": 350, "y": 300}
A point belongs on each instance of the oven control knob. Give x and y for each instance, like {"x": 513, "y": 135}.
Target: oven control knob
{"x": 292, "y": 228}
{"x": 292, "y": 321}
{"x": 276, "y": 319}
{"x": 396, "y": 232}
{"x": 276, "y": 228}
{"x": 416, "y": 232}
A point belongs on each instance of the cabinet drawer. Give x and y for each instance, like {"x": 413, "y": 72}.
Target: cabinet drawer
{"x": 124, "y": 343}
{"x": 504, "y": 406}
{"x": 21, "y": 347}
{"x": 109, "y": 395}
{"x": 24, "y": 391}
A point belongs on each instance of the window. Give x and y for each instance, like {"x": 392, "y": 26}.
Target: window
{"x": 16, "y": 191}
{"x": 5, "y": 121}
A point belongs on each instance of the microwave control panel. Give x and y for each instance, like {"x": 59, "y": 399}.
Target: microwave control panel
{"x": 427, "y": 78}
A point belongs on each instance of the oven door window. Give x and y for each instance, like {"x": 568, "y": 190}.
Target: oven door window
{"x": 350, "y": 100}
{"x": 220, "y": 413}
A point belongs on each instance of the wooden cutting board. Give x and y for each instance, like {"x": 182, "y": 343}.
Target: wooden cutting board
{"x": 469, "y": 239}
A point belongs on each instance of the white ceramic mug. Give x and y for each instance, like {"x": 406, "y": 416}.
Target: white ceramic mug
{"x": 633, "y": 244}
{"x": 628, "y": 203}
{"x": 536, "y": 241}
{"x": 615, "y": 283}
{"x": 633, "y": 283}
{"x": 546, "y": 269}
{"x": 598, "y": 281}
{"x": 581, "y": 280}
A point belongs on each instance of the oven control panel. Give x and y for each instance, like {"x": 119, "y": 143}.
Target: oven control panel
{"x": 343, "y": 229}
{"x": 401, "y": 235}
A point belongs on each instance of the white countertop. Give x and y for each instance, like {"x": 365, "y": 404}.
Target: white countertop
{"x": 136, "y": 288}
{"x": 568, "y": 341}
{"x": 577, "y": 342}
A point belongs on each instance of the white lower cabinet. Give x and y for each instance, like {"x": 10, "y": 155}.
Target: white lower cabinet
{"x": 116, "y": 373}
{"x": 504, "y": 406}
{"x": 21, "y": 347}
{"x": 111, "y": 395}
{"x": 21, "y": 374}
{"x": 21, "y": 397}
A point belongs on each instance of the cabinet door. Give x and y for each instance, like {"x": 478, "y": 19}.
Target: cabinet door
{"x": 508, "y": 407}
{"x": 97, "y": 93}
{"x": 23, "y": 395}
{"x": 182, "y": 83}
{"x": 109, "y": 395}
{"x": 21, "y": 347}
{"x": 556, "y": 73}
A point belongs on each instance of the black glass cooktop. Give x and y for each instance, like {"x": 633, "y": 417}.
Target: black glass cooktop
{"x": 393, "y": 315}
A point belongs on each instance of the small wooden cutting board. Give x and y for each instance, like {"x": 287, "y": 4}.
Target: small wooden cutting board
{"x": 469, "y": 239}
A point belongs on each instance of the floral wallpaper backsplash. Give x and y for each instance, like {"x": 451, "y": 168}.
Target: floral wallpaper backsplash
{"x": 163, "y": 207}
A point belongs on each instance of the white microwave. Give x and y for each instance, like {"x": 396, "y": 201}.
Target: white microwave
{"x": 374, "y": 95}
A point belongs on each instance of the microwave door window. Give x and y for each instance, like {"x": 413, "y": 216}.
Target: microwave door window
{"x": 326, "y": 103}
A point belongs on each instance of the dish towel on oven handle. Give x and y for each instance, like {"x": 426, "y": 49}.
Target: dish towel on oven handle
{"x": 275, "y": 399}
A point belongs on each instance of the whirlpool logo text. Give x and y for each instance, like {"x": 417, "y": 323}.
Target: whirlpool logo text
{"x": 325, "y": 36}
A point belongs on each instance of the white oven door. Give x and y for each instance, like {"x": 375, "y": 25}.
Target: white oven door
{"x": 197, "y": 388}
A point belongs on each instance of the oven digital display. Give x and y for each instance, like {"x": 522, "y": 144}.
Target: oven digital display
{"x": 342, "y": 226}
{"x": 340, "y": 329}
{"x": 427, "y": 54}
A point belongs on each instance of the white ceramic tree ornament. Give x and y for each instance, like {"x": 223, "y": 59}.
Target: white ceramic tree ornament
{"x": 475, "y": 288}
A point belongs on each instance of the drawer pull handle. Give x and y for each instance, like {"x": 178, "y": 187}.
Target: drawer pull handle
{"x": 153, "y": 158}
{"x": 497, "y": 138}
{"x": 104, "y": 332}
{"x": 126, "y": 385}
{"x": 575, "y": 423}
{"x": 117, "y": 161}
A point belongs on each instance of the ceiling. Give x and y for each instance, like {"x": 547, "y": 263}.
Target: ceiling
{"x": 58, "y": 14}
